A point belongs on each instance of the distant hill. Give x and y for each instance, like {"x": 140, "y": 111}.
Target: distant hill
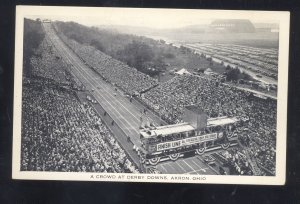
{"x": 245, "y": 33}
{"x": 138, "y": 30}
{"x": 216, "y": 26}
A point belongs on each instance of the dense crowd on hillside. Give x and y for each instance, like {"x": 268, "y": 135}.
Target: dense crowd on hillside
{"x": 128, "y": 78}
{"x": 264, "y": 61}
{"x": 61, "y": 134}
{"x": 46, "y": 63}
{"x": 236, "y": 161}
{"x": 216, "y": 99}
{"x": 263, "y": 149}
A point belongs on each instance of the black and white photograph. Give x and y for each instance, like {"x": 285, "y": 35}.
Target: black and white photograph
{"x": 150, "y": 95}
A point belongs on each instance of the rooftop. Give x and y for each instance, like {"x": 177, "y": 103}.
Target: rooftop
{"x": 167, "y": 130}
{"x": 185, "y": 127}
{"x": 194, "y": 109}
{"x": 220, "y": 121}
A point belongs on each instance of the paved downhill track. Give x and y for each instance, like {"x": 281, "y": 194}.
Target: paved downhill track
{"x": 125, "y": 114}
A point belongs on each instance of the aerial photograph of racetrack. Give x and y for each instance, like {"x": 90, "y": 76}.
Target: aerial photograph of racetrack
{"x": 143, "y": 97}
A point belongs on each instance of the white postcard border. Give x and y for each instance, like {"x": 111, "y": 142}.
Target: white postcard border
{"x": 282, "y": 16}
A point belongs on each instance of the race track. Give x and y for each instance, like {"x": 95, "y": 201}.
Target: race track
{"x": 124, "y": 113}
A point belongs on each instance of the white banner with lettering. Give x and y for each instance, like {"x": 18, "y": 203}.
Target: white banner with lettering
{"x": 185, "y": 142}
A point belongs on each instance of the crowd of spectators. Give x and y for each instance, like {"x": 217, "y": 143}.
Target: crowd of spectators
{"x": 46, "y": 63}
{"x": 257, "y": 115}
{"x": 237, "y": 162}
{"x": 59, "y": 133}
{"x": 259, "y": 60}
{"x": 116, "y": 72}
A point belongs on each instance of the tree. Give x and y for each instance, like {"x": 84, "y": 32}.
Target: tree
{"x": 233, "y": 75}
{"x": 136, "y": 54}
{"x": 98, "y": 45}
{"x": 76, "y": 37}
{"x": 169, "y": 55}
{"x": 33, "y": 36}
{"x": 201, "y": 70}
{"x": 228, "y": 68}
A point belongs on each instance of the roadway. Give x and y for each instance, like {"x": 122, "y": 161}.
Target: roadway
{"x": 125, "y": 113}
{"x": 192, "y": 165}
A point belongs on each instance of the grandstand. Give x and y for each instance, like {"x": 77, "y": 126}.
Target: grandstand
{"x": 46, "y": 21}
{"x": 232, "y": 26}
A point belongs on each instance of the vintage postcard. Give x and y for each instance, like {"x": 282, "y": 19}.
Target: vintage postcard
{"x": 150, "y": 95}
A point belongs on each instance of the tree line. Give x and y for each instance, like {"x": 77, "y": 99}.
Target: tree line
{"x": 145, "y": 54}
{"x": 33, "y": 36}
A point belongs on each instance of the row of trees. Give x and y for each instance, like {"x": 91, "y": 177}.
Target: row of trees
{"x": 145, "y": 54}
{"x": 138, "y": 52}
{"x": 141, "y": 56}
{"x": 33, "y": 36}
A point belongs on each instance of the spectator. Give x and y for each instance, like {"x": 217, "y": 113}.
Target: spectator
{"x": 256, "y": 114}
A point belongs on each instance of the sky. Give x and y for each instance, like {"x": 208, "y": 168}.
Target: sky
{"x": 154, "y": 18}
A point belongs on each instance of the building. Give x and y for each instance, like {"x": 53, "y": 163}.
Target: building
{"x": 231, "y": 26}
{"x": 195, "y": 117}
{"x": 210, "y": 72}
{"x": 182, "y": 71}
{"x": 46, "y": 21}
